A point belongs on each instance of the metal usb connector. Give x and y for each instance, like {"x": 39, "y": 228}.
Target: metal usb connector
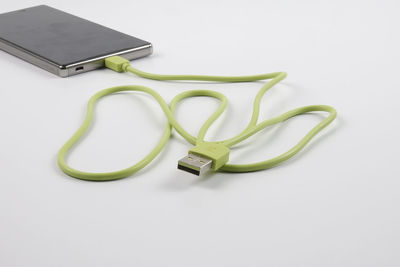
{"x": 203, "y": 157}
{"x": 195, "y": 164}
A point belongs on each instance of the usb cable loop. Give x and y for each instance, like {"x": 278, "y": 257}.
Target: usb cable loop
{"x": 215, "y": 155}
{"x": 204, "y": 155}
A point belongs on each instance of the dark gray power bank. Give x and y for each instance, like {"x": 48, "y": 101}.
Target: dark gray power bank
{"x": 64, "y": 44}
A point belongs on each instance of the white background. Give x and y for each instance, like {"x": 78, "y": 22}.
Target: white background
{"x": 334, "y": 204}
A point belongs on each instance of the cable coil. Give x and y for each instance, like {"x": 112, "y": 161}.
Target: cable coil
{"x": 252, "y": 128}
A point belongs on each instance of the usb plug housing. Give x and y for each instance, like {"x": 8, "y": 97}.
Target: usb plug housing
{"x": 204, "y": 157}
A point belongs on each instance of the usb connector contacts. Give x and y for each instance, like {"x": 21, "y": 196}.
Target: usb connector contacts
{"x": 195, "y": 164}
{"x": 204, "y": 157}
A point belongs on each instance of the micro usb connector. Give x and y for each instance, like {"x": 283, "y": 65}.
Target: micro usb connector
{"x": 204, "y": 157}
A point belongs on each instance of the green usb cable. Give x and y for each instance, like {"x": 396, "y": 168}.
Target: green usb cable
{"x": 204, "y": 155}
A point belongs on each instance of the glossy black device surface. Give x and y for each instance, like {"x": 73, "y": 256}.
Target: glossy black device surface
{"x": 60, "y": 38}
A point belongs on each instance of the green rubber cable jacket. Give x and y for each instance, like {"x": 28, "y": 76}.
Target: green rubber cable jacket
{"x": 252, "y": 128}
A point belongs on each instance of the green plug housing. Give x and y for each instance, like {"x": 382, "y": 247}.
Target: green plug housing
{"x": 218, "y": 153}
{"x": 117, "y": 63}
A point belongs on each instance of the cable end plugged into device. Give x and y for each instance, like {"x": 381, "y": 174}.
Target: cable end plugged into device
{"x": 116, "y": 63}
{"x": 204, "y": 157}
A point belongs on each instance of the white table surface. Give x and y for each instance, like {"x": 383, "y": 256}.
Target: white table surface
{"x": 334, "y": 204}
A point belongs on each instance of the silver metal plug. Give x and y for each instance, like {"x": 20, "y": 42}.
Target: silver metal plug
{"x": 195, "y": 164}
